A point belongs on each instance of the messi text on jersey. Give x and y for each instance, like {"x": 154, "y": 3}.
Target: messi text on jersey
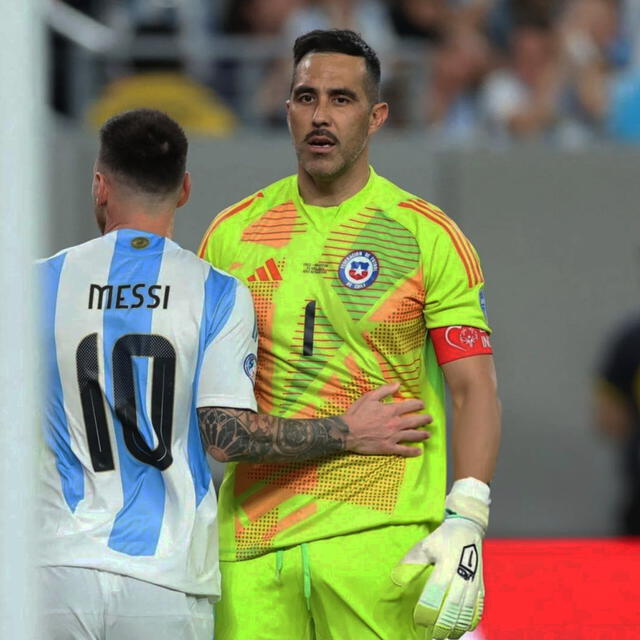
{"x": 129, "y": 296}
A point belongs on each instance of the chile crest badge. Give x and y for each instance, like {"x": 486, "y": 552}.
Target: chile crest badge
{"x": 358, "y": 270}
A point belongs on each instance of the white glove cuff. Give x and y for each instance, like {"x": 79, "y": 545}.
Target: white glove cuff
{"x": 473, "y": 488}
{"x": 469, "y": 498}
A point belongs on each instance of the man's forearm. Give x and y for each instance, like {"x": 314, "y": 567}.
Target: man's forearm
{"x": 476, "y": 433}
{"x": 230, "y": 435}
{"x": 476, "y": 416}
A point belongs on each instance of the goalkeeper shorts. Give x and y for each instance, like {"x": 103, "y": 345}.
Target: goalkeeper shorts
{"x": 82, "y": 604}
{"x": 331, "y": 589}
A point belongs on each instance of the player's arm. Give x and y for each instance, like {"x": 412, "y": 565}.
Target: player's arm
{"x": 369, "y": 426}
{"x": 455, "y": 313}
{"x": 476, "y": 416}
{"x": 452, "y": 600}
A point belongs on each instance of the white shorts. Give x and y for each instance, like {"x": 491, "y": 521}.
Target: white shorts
{"x": 87, "y": 604}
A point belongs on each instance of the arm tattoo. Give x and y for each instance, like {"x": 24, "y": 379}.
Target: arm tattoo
{"x": 240, "y": 434}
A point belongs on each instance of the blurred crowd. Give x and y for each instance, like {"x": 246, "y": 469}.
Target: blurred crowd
{"x": 565, "y": 71}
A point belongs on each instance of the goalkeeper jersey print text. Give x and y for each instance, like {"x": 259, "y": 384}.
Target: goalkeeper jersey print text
{"x": 345, "y": 297}
{"x": 137, "y": 333}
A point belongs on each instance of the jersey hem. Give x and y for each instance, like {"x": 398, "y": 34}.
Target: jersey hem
{"x": 186, "y": 588}
{"x": 231, "y": 556}
{"x": 226, "y": 401}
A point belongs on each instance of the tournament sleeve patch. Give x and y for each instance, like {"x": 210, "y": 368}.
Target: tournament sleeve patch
{"x": 455, "y": 342}
{"x": 250, "y": 367}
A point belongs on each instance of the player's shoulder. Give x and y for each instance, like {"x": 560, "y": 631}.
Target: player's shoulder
{"x": 43, "y": 263}
{"x": 244, "y": 211}
{"x": 417, "y": 214}
{"x": 192, "y": 265}
{"x": 82, "y": 250}
{"x": 218, "y": 285}
{"x": 223, "y": 289}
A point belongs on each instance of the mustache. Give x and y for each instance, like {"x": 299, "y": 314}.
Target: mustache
{"x": 321, "y": 132}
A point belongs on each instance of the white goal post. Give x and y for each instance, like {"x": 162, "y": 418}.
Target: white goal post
{"x": 22, "y": 220}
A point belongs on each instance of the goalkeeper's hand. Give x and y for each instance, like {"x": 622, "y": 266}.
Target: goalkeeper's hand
{"x": 452, "y": 600}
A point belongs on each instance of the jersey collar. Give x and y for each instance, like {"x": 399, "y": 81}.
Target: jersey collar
{"x": 356, "y": 201}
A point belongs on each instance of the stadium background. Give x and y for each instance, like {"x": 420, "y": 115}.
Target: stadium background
{"x": 552, "y": 210}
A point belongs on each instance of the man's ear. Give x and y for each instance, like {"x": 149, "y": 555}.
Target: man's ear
{"x": 185, "y": 190}
{"x": 99, "y": 189}
{"x": 379, "y": 114}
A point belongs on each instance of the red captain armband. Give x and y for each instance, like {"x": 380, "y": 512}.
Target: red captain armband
{"x": 453, "y": 343}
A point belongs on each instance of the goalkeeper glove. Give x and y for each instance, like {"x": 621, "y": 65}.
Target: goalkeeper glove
{"x": 452, "y": 600}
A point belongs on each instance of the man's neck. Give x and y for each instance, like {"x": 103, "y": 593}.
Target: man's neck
{"x": 333, "y": 192}
{"x": 158, "y": 223}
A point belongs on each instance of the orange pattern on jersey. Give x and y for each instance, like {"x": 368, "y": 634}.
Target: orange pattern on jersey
{"x": 339, "y": 397}
{"x": 276, "y": 227}
{"x": 360, "y": 384}
{"x": 405, "y": 303}
{"x": 367, "y": 481}
{"x": 408, "y": 374}
{"x": 301, "y": 476}
{"x": 251, "y": 540}
{"x": 293, "y": 518}
{"x": 283, "y": 482}
{"x": 463, "y": 247}
{"x": 399, "y": 338}
{"x": 265, "y": 500}
{"x": 372, "y": 482}
{"x": 332, "y": 387}
{"x": 221, "y": 217}
{"x": 239, "y": 527}
{"x": 336, "y": 400}
{"x": 307, "y": 411}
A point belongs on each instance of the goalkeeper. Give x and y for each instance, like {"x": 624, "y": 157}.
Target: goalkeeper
{"x": 355, "y": 282}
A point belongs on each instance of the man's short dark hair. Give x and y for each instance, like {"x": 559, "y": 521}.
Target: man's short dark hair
{"x": 146, "y": 149}
{"x": 341, "y": 41}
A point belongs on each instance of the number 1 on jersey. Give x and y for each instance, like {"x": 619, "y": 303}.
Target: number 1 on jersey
{"x": 309, "y": 326}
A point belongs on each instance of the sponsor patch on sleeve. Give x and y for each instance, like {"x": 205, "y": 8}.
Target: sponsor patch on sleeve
{"x": 250, "y": 366}
{"x": 482, "y": 298}
{"x": 455, "y": 342}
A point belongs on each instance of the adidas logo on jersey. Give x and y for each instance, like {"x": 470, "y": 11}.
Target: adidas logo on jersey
{"x": 267, "y": 273}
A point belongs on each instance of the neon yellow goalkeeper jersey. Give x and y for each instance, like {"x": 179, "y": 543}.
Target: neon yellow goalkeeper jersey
{"x": 344, "y": 297}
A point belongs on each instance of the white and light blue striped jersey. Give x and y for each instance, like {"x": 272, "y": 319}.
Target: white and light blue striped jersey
{"x": 138, "y": 333}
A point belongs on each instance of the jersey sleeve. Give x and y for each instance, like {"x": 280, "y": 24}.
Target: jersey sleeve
{"x": 229, "y": 363}
{"x": 209, "y": 244}
{"x": 454, "y": 282}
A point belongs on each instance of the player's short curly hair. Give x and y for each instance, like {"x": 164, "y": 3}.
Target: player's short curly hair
{"x": 146, "y": 149}
{"x": 341, "y": 41}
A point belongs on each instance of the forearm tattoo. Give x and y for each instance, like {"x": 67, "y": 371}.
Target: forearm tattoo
{"x": 238, "y": 434}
